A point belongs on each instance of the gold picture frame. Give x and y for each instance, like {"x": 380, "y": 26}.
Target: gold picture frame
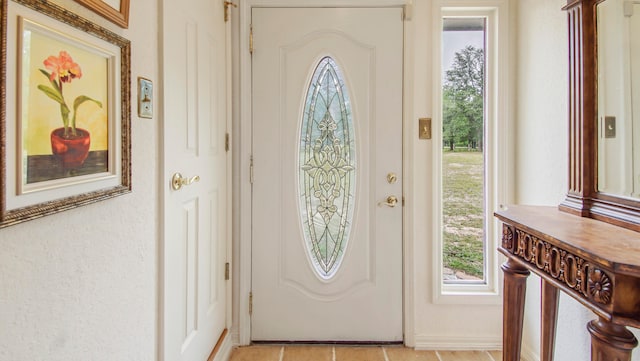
{"x": 59, "y": 69}
{"x": 116, "y": 11}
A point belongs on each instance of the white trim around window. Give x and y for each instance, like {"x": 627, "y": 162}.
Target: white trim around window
{"x": 498, "y": 147}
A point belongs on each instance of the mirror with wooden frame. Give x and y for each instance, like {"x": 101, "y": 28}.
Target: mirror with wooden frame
{"x": 604, "y": 111}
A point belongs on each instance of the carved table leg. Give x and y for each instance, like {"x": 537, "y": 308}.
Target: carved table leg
{"x": 610, "y": 342}
{"x": 515, "y": 285}
{"x": 549, "y": 314}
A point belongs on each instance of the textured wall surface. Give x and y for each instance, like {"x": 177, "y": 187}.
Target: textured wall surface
{"x": 82, "y": 284}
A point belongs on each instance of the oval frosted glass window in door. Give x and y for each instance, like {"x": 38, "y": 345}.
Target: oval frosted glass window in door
{"x": 327, "y": 168}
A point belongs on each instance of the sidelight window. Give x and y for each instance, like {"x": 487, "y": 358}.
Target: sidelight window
{"x": 463, "y": 157}
{"x": 473, "y": 157}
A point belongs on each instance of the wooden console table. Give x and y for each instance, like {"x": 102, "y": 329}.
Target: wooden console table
{"x": 596, "y": 263}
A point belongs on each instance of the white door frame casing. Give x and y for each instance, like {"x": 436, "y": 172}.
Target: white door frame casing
{"x": 243, "y": 146}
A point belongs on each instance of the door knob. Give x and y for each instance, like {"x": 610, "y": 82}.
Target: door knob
{"x": 391, "y": 201}
{"x": 177, "y": 181}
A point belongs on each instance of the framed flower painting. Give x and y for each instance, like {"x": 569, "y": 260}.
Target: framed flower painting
{"x": 65, "y": 126}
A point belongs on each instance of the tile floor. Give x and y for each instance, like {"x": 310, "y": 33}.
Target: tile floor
{"x": 355, "y": 353}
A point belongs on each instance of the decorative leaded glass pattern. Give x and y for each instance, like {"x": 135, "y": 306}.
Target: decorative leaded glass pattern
{"x": 327, "y": 169}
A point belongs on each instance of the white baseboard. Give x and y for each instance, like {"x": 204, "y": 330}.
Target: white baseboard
{"x": 441, "y": 343}
{"x": 224, "y": 352}
{"x": 235, "y": 336}
{"x": 457, "y": 343}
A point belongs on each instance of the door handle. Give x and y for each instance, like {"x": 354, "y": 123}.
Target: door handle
{"x": 177, "y": 181}
{"x": 391, "y": 201}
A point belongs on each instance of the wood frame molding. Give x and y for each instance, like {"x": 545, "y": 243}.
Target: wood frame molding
{"x": 582, "y": 108}
{"x": 583, "y": 198}
{"x": 116, "y": 16}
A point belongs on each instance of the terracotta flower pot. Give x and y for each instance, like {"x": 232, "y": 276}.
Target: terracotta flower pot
{"x": 71, "y": 151}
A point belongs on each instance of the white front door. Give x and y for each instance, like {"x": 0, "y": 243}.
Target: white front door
{"x": 193, "y": 107}
{"x": 327, "y": 155}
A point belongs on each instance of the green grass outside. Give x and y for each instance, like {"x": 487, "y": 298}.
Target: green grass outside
{"x": 462, "y": 188}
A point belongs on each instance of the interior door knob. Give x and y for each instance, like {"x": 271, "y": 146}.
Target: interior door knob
{"x": 177, "y": 181}
{"x": 391, "y": 201}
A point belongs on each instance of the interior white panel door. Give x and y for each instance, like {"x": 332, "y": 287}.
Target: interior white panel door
{"x": 193, "y": 101}
{"x": 357, "y": 295}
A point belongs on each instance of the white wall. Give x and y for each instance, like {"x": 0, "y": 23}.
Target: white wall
{"x": 82, "y": 284}
{"x": 542, "y": 154}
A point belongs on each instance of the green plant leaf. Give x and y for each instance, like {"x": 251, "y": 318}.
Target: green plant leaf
{"x": 54, "y": 83}
{"x": 83, "y": 98}
{"x": 76, "y": 103}
{"x": 52, "y": 93}
{"x": 64, "y": 111}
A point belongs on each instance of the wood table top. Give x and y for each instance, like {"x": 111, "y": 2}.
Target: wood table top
{"x": 611, "y": 246}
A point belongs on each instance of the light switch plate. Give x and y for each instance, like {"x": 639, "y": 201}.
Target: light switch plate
{"x": 609, "y": 127}
{"x": 424, "y": 130}
{"x": 145, "y": 98}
